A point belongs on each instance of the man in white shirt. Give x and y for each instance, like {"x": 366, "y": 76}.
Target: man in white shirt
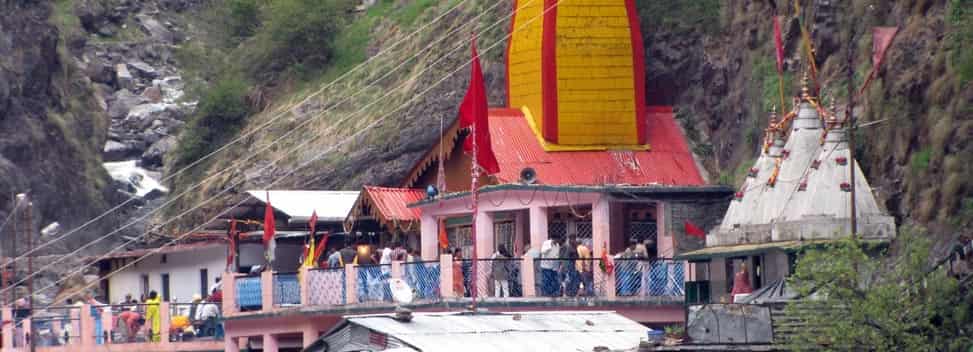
{"x": 550, "y": 251}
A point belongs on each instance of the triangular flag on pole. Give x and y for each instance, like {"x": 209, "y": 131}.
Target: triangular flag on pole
{"x": 881, "y": 41}
{"x": 443, "y": 238}
{"x": 473, "y": 112}
{"x": 320, "y": 250}
{"x": 693, "y": 230}
{"x": 309, "y": 257}
{"x": 231, "y": 246}
{"x": 778, "y": 45}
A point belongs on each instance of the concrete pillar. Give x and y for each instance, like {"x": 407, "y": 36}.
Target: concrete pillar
{"x": 8, "y": 329}
{"x": 429, "y": 237}
{"x": 538, "y": 226}
{"x": 665, "y": 245}
{"x": 484, "y": 235}
{"x": 267, "y": 290}
{"x": 231, "y": 344}
{"x": 87, "y": 327}
{"x": 310, "y": 333}
{"x": 446, "y": 276}
{"x": 270, "y": 343}
{"x": 351, "y": 284}
{"x": 303, "y": 281}
{"x": 229, "y": 294}
{"x": 520, "y": 218}
{"x": 165, "y": 320}
{"x": 600, "y": 238}
{"x": 527, "y": 276}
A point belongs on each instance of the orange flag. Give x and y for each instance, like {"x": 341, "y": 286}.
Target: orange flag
{"x": 443, "y": 238}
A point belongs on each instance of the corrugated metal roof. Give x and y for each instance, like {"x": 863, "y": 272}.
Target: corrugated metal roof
{"x": 298, "y": 205}
{"x": 181, "y": 247}
{"x": 533, "y": 331}
{"x": 392, "y": 204}
{"x": 667, "y": 162}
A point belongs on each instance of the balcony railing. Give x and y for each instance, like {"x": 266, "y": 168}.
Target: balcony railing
{"x": 657, "y": 280}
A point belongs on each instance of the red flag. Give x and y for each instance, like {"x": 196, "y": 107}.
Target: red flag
{"x": 779, "y": 45}
{"x": 320, "y": 248}
{"x": 443, "y": 238}
{"x": 607, "y": 264}
{"x": 313, "y": 221}
{"x": 693, "y": 230}
{"x": 473, "y": 113}
{"x": 881, "y": 40}
{"x": 269, "y": 223}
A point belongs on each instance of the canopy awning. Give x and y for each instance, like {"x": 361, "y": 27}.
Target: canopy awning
{"x": 744, "y": 249}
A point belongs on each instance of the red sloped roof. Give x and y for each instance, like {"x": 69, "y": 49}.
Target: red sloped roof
{"x": 392, "y": 204}
{"x": 667, "y": 162}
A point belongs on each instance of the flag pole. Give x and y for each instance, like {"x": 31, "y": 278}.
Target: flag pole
{"x": 474, "y": 175}
{"x": 851, "y": 131}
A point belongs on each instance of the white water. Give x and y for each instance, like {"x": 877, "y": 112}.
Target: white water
{"x": 144, "y": 181}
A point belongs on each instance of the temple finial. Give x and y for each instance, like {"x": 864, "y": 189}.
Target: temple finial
{"x": 804, "y": 91}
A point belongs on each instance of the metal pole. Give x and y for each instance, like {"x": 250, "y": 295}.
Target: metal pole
{"x": 30, "y": 269}
{"x": 850, "y": 117}
{"x": 13, "y": 253}
{"x": 475, "y": 175}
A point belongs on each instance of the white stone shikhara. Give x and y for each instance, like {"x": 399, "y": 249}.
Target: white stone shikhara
{"x": 821, "y": 210}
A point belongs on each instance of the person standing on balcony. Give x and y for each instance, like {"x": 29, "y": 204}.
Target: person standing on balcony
{"x": 584, "y": 267}
{"x": 550, "y": 250}
{"x": 152, "y": 315}
{"x": 569, "y": 256}
{"x": 459, "y": 277}
{"x": 501, "y": 285}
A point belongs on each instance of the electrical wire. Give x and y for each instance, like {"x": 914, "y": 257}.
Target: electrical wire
{"x": 304, "y": 164}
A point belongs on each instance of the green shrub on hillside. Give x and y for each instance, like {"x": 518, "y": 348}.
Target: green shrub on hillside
{"x": 222, "y": 111}
{"x": 243, "y": 17}
{"x": 297, "y": 34}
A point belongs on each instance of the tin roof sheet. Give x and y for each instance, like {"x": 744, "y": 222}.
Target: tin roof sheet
{"x": 532, "y": 331}
{"x": 392, "y": 204}
{"x": 298, "y": 205}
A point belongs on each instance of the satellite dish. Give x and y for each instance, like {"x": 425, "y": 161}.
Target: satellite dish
{"x": 401, "y": 292}
{"x": 528, "y": 176}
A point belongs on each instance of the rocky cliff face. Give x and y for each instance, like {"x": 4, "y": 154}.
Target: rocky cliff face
{"x": 714, "y": 60}
{"x": 53, "y": 126}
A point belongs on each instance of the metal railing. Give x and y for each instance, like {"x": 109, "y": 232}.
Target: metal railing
{"x": 129, "y": 324}
{"x": 567, "y": 277}
{"x": 498, "y": 277}
{"x": 649, "y": 277}
{"x": 373, "y": 283}
{"x": 249, "y": 293}
{"x": 55, "y": 326}
{"x": 326, "y": 287}
{"x": 195, "y": 321}
{"x": 287, "y": 289}
{"x": 424, "y": 278}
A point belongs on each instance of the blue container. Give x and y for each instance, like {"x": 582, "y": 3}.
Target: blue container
{"x": 656, "y": 335}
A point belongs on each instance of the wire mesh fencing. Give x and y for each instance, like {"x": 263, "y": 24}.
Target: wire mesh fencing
{"x": 424, "y": 278}
{"x": 249, "y": 293}
{"x": 649, "y": 277}
{"x": 287, "y": 289}
{"x": 326, "y": 287}
{"x": 373, "y": 283}
{"x": 498, "y": 277}
{"x": 568, "y": 277}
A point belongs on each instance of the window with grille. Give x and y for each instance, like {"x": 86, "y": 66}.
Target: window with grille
{"x": 503, "y": 234}
{"x": 557, "y": 229}
{"x": 643, "y": 230}
{"x": 461, "y": 237}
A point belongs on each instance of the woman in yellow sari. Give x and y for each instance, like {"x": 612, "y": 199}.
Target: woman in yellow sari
{"x": 152, "y": 315}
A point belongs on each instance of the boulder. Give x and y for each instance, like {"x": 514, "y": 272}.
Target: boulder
{"x": 122, "y": 102}
{"x": 140, "y": 117}
{"x": 154, "y": 156}
{"x": 123, "y": 77}
{"x": 152, "y": 94}
{"x": 116, "y": 151}
{"x": 143, "y": 69}
{"x": 100, "y": 71}
{"x": 154, "y": 28}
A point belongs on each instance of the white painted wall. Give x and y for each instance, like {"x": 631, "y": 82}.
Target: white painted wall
{"x": 182, "y": 267}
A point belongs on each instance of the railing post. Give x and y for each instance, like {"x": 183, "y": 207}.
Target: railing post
{"x": 527, "y": 277}
{"x": 446, "y": 276}
{"x": 303, "y": 281}
{"x": 267, "y": 290}
{"x": 351, "y": 284}
{"x": 87, "y": 327}
{"x": 106, "y": 323}
{"x": 28, "y": 333}
{"x": 8, "y": 329}
{"x": 165, "y": 320}
{"x": 229, "y": 294}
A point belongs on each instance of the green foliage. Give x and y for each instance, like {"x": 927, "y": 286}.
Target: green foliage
{"x": 298, "y": 36}
{"x": 958, "y": 37}
{"x": 700, "y": 147}
{"x": 688, "y": 15}
{"x": 864, "y": 302}
{"x": 920, "y": 160}
{"x": 222, "y": 112}
{"x": 243, "y": 17}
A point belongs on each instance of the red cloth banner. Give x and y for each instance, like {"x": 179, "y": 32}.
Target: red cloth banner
{"x": 881, "y": 41}
{"x": 693, "y": 230}
{"x": 779, "y": 45}
{"x": 473, "y": 113}
{"x": 231, "y": 244}
{"x": 269, "y": 223}
{"x": 443, "y": 238}
{"x": 320, "y": 248}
